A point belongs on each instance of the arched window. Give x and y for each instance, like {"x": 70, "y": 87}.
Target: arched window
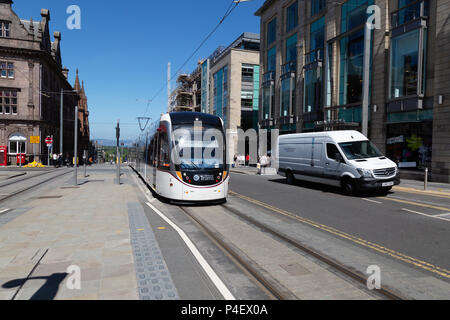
{"x": 17, "y": 144}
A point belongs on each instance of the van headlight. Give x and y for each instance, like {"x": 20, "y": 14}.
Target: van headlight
{"x": 365, "y": 173}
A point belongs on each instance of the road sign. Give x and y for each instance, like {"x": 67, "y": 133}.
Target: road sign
{"x": 49, "y": 141}
{"x": 35, "y": 140}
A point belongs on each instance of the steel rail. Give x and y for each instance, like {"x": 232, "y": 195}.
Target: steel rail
{"x": 383, "y": 292}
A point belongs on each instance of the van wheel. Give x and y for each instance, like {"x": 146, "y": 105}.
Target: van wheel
{"x": 348, "y": 186}
{"x": 290, "y": 179}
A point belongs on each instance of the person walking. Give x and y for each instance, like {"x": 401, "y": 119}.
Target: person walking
{"x": 55, "y": 160}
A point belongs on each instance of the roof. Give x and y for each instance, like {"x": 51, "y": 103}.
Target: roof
{"x": 36, "y": 25}
{"x": 264, "y": 7}
{"x": 246, "y": 37}
{"x": 178, "y": 118}
{"x": 337, "y": 136}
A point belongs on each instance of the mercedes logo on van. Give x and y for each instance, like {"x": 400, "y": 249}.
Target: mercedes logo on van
{"x": 196, "y": 178}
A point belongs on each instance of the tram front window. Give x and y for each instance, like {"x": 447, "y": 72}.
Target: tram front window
{"x": 199, "y": 149}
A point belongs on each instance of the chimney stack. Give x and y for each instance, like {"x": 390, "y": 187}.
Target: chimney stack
{"x": 65, "y": 72}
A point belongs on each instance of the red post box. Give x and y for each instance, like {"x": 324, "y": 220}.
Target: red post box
{"x": 21, "y": 158}
{"x": 3, "y": 156}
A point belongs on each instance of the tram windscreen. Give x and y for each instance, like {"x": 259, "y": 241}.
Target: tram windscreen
{"x": 200, "y": 147}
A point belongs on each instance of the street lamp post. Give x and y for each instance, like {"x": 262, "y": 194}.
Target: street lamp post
{"x": 118, "y": 151}
{"x": 75, "y": 154}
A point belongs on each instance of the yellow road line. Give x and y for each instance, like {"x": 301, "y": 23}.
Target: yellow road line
{"x": 397, "y": 255}
{"x": 423, "y": 205}
{"x": 423, "y": 192}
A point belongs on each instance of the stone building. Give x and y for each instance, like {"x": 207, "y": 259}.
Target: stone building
{"x": 230, "y": 85}
{"x": 313, "y": 70}
{"x": 31, "y": 79}
{"x": 83, "y": 117}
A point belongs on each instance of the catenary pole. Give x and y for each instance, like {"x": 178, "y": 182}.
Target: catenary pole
{"x": 75, "y": 152}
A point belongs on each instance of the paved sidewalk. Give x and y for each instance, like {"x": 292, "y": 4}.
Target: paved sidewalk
{"x": 68, "y": 228}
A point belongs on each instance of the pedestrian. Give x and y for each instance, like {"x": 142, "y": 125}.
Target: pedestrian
{"x": 55, "y": 160}
{"x": 247, "y": 160}
{"x": 60, "y": 160}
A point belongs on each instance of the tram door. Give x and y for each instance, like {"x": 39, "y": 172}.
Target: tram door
{"x": 155, "y": 157}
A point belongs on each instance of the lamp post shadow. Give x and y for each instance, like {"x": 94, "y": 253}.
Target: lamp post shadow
{"x": 48, "y": 291}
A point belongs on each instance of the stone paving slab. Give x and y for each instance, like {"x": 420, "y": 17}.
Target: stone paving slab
{"x": 87, "y": 227}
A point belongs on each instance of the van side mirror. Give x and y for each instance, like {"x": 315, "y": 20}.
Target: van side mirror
{"x": 339, "y": 158}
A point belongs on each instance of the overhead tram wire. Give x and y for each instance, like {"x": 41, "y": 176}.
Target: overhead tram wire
{"x": 230, "y": 9}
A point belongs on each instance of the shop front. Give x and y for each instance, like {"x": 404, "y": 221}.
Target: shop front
{"x": 410, "y": 144}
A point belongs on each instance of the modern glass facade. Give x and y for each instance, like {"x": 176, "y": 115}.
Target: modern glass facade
{"x": 205, "y": 86}
{"x": 221, "y": 93}
{"x": 407, "y": 84}
{"x": 410, "y": 131}
{"x": 292, "y": 17}
{"x": 317, "y": 6}
{"x": 271, "y": 32}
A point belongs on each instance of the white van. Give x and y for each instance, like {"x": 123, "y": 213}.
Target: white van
{"x": 344, "y": 159}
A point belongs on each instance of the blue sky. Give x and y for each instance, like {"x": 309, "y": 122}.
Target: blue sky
{"x": 123, "y": 48}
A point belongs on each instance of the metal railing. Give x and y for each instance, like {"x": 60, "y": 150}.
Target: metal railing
{"x": 290, "y": 67}
{"x": 411, "y": 12}
{"x": 314, "y": 56}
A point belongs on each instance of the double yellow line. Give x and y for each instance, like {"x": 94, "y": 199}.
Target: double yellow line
{"x": 438, "y": 194}
{"x": 397, "y": 255}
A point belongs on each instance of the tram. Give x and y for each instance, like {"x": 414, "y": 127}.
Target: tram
{"x": 183, "y": 158}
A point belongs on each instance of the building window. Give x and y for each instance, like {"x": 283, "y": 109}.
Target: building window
{"x": 5, "y": 29}
{"x": 268, "y": 95}
{"x": 408, "y": 60}
{"x": 317, "y": 6}
{"x": 409, "y": 10}
{"x": 8, "y": 102}
{"x": 292, "y": 17}
{"x": 291, "y": 49}
{"x": 7, "y": 70}
{"x": 271, "y": 59}
{"x": 354, "y": 14}
{"x": 352, "y": 68}
{"x": 225, "y": 96}
{"x": 271, "y": 32}
{"x": 404, "y": 64}
{"x": 221, "y": 93}
{"x": 313, "y": 100}
{"x": 17, "y": 144}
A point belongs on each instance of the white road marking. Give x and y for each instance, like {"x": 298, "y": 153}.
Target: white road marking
{"x": 426, "y": 215}
{"x": 201, "y": 260}
{"x": 443, "y": 215}
{"x": 4, "y": 210}
{"x": 373, "y": 201}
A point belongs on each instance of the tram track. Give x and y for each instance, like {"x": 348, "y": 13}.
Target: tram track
{"x": 20, "y": 191}
{"x": 20, "y": 179}
{"x": 266, "y": 281}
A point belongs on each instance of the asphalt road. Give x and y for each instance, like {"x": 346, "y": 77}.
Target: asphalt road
{"x": 412, "y": 224}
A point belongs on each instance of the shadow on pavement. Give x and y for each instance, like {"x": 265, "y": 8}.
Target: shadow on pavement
{"x": 47, "y": 292}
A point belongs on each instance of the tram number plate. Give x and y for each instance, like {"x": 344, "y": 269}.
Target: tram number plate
{"x": 206, "y": 178}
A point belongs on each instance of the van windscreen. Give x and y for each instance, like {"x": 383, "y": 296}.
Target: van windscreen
{"x": 360, "y": 150}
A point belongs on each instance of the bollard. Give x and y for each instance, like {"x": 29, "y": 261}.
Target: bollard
{"x": 425, "y": 186}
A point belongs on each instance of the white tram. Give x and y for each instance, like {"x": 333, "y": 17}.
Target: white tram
{"x": 184, "y": 158}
